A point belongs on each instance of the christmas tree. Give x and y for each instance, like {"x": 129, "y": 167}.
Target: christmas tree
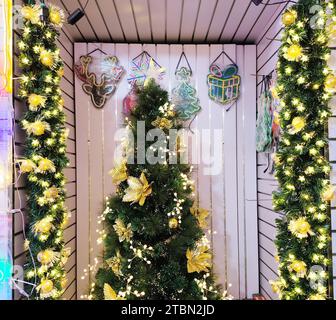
{"x": 155, "y": 246}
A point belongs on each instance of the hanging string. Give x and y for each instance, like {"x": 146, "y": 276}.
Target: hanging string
{"x": 221, "y": 54}
{"x": 183, "y": 55}
{"x": 148, "y": 56}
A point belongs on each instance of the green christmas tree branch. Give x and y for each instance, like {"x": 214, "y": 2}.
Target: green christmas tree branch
{"x": 305, "y": 86}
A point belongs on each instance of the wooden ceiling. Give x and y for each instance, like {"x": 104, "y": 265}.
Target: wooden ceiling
{"x": 170, "y": 21}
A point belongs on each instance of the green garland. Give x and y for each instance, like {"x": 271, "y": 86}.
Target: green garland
{"x": 305, "y": 86}
{"x": 155, "y": 247}
{"x": 45, "y": 152}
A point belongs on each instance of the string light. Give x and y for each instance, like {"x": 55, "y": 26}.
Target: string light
{"x": 304, "y": 194}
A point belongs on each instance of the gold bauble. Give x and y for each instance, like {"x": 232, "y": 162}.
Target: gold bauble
{"x": 289, "y": 17}
{"x": 46, "y": 286}
{"x": 173, "y": 223}
{"x": 330, "y": 83}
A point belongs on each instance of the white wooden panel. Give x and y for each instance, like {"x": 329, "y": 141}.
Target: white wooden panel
{"x": 96, "y": 132}
{"x": 217, "y": 192}
{"x": 190, "y": 9}
{"x": 173, "y": 18}
{"x": 162, "y": 52}
{"x": 158, "y": 18}
{"x": 125, "y": 14}
{"x": 205, "y": 14}
{"x": 94, "y": 16}
{"x": 239, "y": 8}
{"x": 247, "y": 143}
{"x": 111, "y": 19}
{"x": 218, "y": 212}
{"x": 265, "y": 16}
{"x": 250, "y": 18}
{"x": 83, "y": 199}
{"x": 141, "y": 14}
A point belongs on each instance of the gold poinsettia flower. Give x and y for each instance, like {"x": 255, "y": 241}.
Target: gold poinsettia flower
{"x": 123, "y": 232}
{"x": 162, "y": 123}
{"x": 31, "y": 13}
{"x": 48, "y": 257}
{"x": 35, "y": 101}
{"x": 138, "y": 190}
{"x": 43, "y": 226}
{"x": 119, "y": 172}
{"x": 201, "y": 215}
{"x": 198, "y": 260}
{"x": 300, "y": 228}
{"x": 45, "y": 165}
{"x": 36, "y": 128}
{"x": 51, "y": 194}
{"x": 299, "y": 267}
{"x": 110, "y": 294}
{"x": 115, "y": 263}
{"x": 56, "y": 16}
{"x": 26, "y": 165}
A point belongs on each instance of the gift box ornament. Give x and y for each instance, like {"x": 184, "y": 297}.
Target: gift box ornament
{"x": 224, "y": 84}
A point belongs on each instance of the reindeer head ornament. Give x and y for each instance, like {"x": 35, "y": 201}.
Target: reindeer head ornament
{"x": 99, "y": 91}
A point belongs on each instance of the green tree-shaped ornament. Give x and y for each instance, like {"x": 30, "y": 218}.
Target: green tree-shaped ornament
{"x": 184, "y": 95}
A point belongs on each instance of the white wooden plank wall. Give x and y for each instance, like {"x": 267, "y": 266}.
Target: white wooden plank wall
{"x": 235, "y": 243}
{"x": 267, "y": 51}
{"x": 67, "y": 85}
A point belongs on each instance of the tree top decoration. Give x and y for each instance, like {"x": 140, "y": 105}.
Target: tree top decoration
{"x": 305, "y": 87}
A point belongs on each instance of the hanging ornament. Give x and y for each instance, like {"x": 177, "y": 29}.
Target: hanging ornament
{"x": 102, "y": 90}
{"x": 184, "y": 94}
{"x": 130, "y": 101}
{"x": 144, "y": 68}
{"x": 224, "y": 84}
{"x": 289, "y": 17}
